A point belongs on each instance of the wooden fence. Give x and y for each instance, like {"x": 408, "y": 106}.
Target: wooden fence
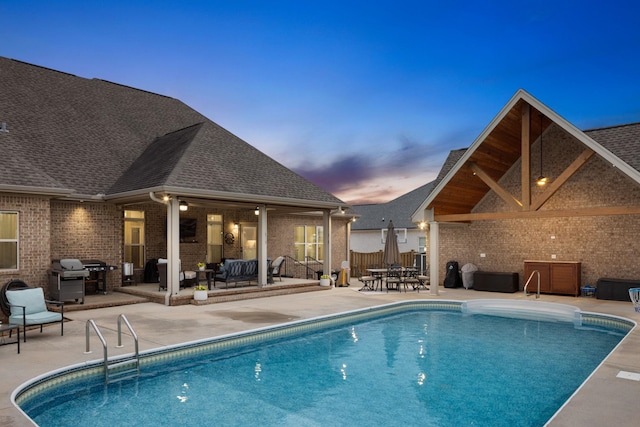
{"x": 360, "y": 261}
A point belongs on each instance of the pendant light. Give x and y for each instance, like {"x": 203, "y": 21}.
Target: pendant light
{"x": 542, "y": 180}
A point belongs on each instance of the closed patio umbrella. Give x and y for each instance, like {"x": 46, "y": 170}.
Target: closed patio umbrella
{"x": 391, "y": 254}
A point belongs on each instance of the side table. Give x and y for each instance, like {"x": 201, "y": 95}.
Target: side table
{"x": 7, "y": 327}
{"x": 208, "y": 272}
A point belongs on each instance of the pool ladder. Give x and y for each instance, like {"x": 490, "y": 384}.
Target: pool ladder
{"x": 529, "y": 280}
{"x": 120, "y": 368}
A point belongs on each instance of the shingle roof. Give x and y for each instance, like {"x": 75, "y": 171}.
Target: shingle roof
{"x": 98, "y": 137}
{"x": 623, "y": 141}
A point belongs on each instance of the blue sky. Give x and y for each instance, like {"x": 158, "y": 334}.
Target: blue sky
{"x": 364, "y": 98}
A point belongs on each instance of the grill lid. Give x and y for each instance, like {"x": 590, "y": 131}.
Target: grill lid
{"x": 71, "y": 264}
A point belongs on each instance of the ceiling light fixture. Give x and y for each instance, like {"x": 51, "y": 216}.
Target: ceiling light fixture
{"x": 542, "y": 180}
{"x": 183, "y": 206}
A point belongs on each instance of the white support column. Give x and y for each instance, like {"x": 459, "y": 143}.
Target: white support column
{"x": 434, "y": 255}
{"x": 348, "y": 254}
{"x": 326, "y": 240}
{"x": 262, "y": 246}
{"x": 173, "y": 247}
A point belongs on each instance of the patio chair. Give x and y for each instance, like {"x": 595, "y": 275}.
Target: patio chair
{"x": 394, "y": 278}
{"x": 185, "y": 277}
{"x": 27, "y": 307}
{"x": 411, "y": 279}
{"x": 276, "y": 267}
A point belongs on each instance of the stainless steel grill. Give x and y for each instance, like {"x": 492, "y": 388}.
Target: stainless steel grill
{"x": 97, "y": 273}
{"x": 67, "y": 280}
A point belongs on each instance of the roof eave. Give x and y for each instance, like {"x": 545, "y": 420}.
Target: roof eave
{"x": 136, "y": 195}
{"x": 41, "y": 191}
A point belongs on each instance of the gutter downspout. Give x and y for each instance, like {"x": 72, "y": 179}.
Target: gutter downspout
{"x": 152, "y": 196}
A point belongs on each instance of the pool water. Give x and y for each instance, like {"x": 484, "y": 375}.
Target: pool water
{"x": 429, "y": 368}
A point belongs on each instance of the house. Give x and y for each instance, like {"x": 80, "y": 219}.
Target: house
{"x": 92, "y": 169}
{"x": 369, "y": 231}
{"x": 488, "y": 209}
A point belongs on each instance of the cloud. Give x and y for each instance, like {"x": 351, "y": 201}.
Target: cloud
{"x": 374, "y": 176}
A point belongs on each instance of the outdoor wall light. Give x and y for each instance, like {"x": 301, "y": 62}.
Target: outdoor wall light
{"x": 183, "y": 206}
{"x": 257, "y": 211}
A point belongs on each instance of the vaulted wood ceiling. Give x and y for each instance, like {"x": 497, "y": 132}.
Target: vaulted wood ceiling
{"x": 497, "y": 153}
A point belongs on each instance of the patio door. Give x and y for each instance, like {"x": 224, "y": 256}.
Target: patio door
{"x": 249, "y": 240}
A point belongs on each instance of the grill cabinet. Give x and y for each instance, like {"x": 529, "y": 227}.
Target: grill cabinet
{"x": 66, "y": 281}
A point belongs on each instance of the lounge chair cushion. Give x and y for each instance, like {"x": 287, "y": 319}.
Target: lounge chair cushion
{"x": 36, "y": 312}
{"x": 32, "y": 299}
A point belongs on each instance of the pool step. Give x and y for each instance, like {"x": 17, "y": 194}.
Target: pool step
{"x": 123, "y": 369}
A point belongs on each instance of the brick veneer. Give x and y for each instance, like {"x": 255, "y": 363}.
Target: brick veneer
{"x": 34, "y": 247}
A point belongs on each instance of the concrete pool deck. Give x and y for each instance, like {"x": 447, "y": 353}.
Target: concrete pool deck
{"x": 604, "y": 399}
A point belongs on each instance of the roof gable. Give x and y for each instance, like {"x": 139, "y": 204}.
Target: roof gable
{"x": 154, "y": 167}
{"x": 496, "y": 150}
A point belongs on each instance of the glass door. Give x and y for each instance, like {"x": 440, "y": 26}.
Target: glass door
{"x": 249, "y": 240}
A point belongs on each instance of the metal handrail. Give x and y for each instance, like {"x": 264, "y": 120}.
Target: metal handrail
{"x": 529, "y": 280}
{"x": 290, "y": 270}
{"x": 90, "y": 322}
{"x": 121, "y": 318}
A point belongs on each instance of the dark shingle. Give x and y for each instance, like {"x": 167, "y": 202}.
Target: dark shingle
{"x": 623, "y": 141}
{"x": 96, "y": 137}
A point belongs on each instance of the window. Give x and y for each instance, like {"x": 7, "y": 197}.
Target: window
{"x": 134, "y": 238}
{"x": 422, "y": 244}
{"x": 401, "y": 235}
{"x": 8, "y": 240}
{"x": 308, "y": 242}
{"x": 214, "y": 238}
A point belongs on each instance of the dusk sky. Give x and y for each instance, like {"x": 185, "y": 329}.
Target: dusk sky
{"x": 363, "y": 98}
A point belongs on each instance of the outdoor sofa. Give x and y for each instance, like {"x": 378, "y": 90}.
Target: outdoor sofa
{"x": 240, "y": 270}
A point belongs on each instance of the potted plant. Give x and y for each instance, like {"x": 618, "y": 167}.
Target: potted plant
{"x": 201, "y": 266}
{"x": 325, "y": 280}
{"x": 200, "y": 293}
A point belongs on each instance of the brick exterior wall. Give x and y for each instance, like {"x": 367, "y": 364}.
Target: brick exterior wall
{"x": 34, "y": 238}
{"x": 88, "y": 231}
{"x": 281, "y": 236}
{"x": 607, "y": 246}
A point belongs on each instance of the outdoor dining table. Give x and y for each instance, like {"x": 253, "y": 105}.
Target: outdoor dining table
{"x": 380, "y": 273}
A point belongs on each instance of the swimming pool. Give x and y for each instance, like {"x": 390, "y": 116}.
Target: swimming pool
{"x": 432, "y": 362}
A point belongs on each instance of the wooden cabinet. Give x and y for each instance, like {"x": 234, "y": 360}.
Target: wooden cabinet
{"x": 556, "y": 277}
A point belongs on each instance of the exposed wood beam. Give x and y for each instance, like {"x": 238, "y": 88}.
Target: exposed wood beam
{"x": 525, "y": 150}
{"x": 562, "y": 178}
{"x": 504, "y": 194}
{"x": 578, "y": 212}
